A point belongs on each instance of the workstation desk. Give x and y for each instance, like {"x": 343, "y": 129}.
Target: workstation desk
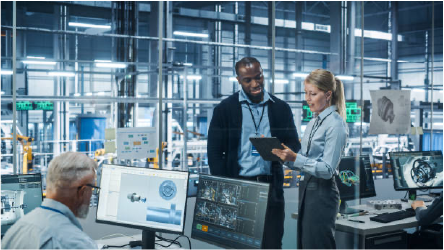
{"x": 372, "y": 234}
{"x": 116, "y": 242}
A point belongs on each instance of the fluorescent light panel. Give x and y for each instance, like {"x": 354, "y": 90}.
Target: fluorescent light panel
{"x": 190, "y": 34}
{"x": 102, "y": 61}
{"x": 188, "y": 64}
{"x": 345, "y": 78}
{"x": 61, "y": 73}
{"x": 193, "y": 77}
{"x": 280, "y": 81}
{"x": 233, "y": 79}
{"x": 39, "y": 62}
{"x": 77, "y": 94}
{"x": 111, "y": 65}
{"x": 6, "y": 72}
{"x": 36, "y": 57}
{"x": 300, "y": 75}
{"x": 87, "y": 25}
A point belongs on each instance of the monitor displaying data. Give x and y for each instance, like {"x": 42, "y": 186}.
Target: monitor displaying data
{"x": 416, "y": 169}
{"x": 143, "y": 198}
{"x": 229, "y": 212}
{"x": 20, "y": 195}
{"x": 355, "y": 179}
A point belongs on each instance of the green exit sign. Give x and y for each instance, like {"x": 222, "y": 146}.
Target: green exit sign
{"x": 352, "y": 110}
{"x": 24, "y": 105}
{"x": 43, "y": 106}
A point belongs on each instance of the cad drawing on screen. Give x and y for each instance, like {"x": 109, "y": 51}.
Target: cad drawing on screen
{"x": 348, "y": 178}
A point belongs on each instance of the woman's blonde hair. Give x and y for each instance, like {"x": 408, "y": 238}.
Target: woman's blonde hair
{"x": 326, "y": 81}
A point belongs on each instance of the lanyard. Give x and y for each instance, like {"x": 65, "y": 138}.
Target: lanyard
{"x": 313, "y": 131}
{"x": 252, "y": 117}
{"x": 52, "y": 209}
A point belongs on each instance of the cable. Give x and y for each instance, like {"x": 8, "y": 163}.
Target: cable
{"x": 169, "y": 240}
{"x": 118, "y": 234}
{"x": 173, "y": 241}
{"x": 108, "y": 246}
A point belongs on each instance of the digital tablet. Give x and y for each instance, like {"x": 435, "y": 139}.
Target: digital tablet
{"x": 264, "y": 145}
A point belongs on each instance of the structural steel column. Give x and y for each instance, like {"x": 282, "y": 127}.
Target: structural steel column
{"x": 14, "y": 83}
{"x": 336, "y": 47}
{"x": 127, "y": 24}
{"x": 394, "y": 52}
{"x": 247, "y": 27}
{"x": 299, "y": 42}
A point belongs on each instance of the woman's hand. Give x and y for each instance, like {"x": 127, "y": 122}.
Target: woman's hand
{"x": 285, "y": 154}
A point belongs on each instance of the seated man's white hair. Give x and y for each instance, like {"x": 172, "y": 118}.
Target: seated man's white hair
{"x": 68, "y": 168}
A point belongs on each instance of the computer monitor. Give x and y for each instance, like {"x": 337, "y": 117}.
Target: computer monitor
{"x": 229, "y": 212}
{"x": 149, "y": 199}
{"x": 20, "y": 195}
{"x": 355, "y": 181}
{"x": 416, "y": 170}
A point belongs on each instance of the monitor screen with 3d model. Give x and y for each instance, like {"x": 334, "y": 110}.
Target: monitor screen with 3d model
{"x": 417, "y": 170}
{"x": 229, "y": 212}
{"x": 143, "y": 198}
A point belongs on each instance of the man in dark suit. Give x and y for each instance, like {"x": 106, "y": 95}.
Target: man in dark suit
{"x": 252, "y": 112}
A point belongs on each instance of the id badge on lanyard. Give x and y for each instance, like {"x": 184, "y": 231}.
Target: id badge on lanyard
{"x": 254, "y": 151}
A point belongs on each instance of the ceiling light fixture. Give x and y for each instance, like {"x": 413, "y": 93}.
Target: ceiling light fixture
{"x": 345, "y": 78}
{"x": 190, "y": 34}
{"x": 280, "y": 81}
{"x": 6, "y": 72}
{"x": 36, "y": 57}
{"x": 87, "y": 25}
{"x": 61, "y": 73}
{"x": 111, "y": 65}
{"x": 39, "y": 62}
{"x": 300, "y": 75}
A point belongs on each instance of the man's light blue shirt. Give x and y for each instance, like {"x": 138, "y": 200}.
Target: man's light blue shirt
{"x": 48, "y": 229}
{"x": 327, "y": 145}
{"x": 253, "y": 165}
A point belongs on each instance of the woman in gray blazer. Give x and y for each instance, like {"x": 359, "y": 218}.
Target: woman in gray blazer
{"x": 322, "y": 146}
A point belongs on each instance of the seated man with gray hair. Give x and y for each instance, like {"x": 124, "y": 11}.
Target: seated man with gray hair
{"x": 53, "y": 225}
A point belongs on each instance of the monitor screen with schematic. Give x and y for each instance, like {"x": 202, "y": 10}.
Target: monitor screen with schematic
{"x": 417, "y": 170}
{"x": 20, "y": 195}
{"x": 355, "y": 181}
{"x": 149, "y": 199}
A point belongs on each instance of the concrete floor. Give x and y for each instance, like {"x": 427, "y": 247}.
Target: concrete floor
{"x": 384, "y": 190}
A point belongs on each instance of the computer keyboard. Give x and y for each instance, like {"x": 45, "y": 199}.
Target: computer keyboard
{"x": 398, "y": 215}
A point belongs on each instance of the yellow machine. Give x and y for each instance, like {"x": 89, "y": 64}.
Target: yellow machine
{"x": 155, "y": 160}
{"x": 27, "y": 151}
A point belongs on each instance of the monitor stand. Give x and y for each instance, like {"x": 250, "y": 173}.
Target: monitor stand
{"x": 344, "y": 209}
{"x": 148, "y": 240}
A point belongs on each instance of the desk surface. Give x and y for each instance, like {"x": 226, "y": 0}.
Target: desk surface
{"x": 122, "y": 240}
{"x": 372, "y": 227}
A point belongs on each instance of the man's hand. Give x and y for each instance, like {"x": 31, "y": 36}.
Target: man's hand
{"x": 416, "y": 204}
{"x": 285, "y": 154}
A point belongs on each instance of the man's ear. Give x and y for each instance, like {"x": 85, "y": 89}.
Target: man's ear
{"x": 81, "y": 192}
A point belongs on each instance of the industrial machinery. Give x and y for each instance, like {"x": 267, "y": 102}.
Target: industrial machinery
{"x": 27, "y": 151}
